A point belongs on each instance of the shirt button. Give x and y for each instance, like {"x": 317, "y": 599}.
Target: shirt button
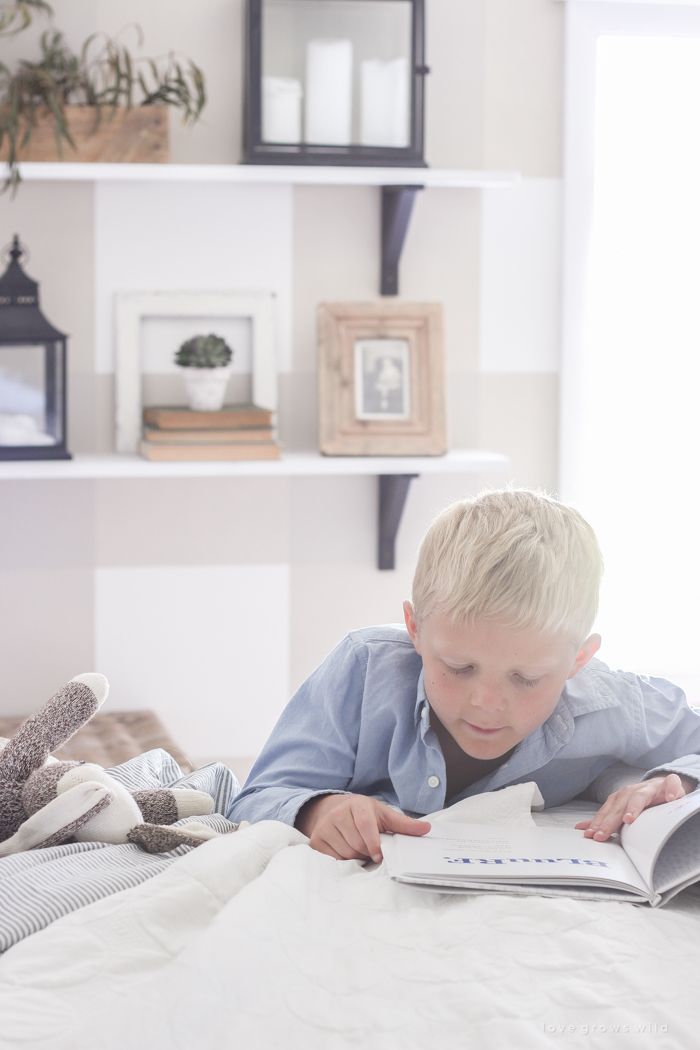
{"x": 433, "y": 782}
{"x": 424, "y": 712}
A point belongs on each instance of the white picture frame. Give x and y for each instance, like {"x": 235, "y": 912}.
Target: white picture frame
{"x": 131, "y": 307}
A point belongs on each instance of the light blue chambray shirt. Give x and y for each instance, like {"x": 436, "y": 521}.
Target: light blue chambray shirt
{"x": 361, "y": 723}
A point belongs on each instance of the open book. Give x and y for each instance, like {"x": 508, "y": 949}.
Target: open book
{"x": 653, "y": 858}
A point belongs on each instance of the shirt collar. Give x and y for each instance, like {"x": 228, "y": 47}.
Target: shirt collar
{"x": 587, "y": 691}
{"x": 583, "y": 693}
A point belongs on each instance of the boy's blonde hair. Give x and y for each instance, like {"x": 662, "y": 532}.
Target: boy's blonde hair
{"x": 512, "y": 555}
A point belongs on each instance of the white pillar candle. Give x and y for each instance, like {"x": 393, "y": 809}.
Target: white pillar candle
{"x": 384, "y": 102}
{"x": 328, "y": 92}
{"x": 281, "y": 109}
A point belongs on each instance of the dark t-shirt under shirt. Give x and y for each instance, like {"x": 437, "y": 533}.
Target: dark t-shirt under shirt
{"x": 462, "y": 770}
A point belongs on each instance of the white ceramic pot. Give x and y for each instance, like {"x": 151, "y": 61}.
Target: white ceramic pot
{"x": 206, "y": 387}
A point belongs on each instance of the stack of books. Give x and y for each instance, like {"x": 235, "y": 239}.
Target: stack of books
{"x": 236, "y": 432}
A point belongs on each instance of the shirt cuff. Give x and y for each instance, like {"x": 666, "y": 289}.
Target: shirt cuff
{"x": 289, "y": 811}
{"x": 688, "y": 766}
{"x": 614, "y": 777}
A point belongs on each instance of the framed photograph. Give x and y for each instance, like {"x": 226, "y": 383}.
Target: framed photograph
{"x": 381, "y": 379}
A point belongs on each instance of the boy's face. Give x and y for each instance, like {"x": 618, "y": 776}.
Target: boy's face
{"x": 491, "y": 685}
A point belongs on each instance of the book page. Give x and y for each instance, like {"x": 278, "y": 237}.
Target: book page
{"x": 489, "y": 853}
{"x": 644, "y": 839}
{"x": 588, "y": 892}
{"x": 679, "y": 859}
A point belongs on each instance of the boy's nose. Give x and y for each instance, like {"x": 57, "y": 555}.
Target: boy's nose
{"x": 488, "y": 699}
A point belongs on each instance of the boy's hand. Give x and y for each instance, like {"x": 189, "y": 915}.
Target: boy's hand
{"x": 625, "y": 805}
{"x": 347, "y": 827}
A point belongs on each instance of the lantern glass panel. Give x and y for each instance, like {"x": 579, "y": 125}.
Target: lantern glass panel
{"x": 28, "y": 395}
{"x": 337, "y": 73}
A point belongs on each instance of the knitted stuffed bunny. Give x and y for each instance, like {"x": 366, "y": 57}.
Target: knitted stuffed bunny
{"x": 44, "y": 802}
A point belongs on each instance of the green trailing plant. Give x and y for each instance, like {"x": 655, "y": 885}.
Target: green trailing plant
{"x": 204, "y": 351}
{"x": 104, "y": 75}
{"x": 17, "y": 15}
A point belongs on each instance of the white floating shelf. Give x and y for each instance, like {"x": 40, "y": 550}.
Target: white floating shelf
{"x": 296, "y": 174}
{"x": 292, "y": 464}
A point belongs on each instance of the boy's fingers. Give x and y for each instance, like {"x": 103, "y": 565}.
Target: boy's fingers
{"x": 648, "y": 794}
{"x": 356, "y": 828}
{"x": 608, "y": 818}
{"x": 401, "y": 824}
{"x": 602, "y": 833}
{"x": 672, "y": 787}
{"x": 599, "y": 825}
{"x": 624, "y": 806}
{"x": 321, "y": 846}
{"x": 631, "y": 804}
{"x": 351, "y": 830}
{"x": 368, "y": 828}
{"x": 333, "y": 842}
{"x": 624, "y": 812}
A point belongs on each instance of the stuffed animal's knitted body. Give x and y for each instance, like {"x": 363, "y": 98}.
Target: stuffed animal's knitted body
{"x": 44, "y": 802}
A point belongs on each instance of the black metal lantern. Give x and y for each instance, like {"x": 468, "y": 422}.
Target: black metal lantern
{"x": 335, "y": 82}
{"x": 32, "y": 371}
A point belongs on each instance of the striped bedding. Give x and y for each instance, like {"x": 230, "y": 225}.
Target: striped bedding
{"x": 40, "y": 886}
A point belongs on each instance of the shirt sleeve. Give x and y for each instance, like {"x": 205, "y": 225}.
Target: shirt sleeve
{"x": 311, "y": 751}
{"x": 613, "y": 777}
{"x": 669, "y": 740}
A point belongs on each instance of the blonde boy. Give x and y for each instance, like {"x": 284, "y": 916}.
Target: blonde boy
{"x": 492, "y": 682}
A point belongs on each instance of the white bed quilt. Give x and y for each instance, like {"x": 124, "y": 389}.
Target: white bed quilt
{"x": 255, "y": 941}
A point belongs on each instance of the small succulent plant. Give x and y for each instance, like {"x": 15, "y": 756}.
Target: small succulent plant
{"x": 204, "y": 351}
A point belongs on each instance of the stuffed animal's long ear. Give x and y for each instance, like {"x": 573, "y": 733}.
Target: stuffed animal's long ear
{"x": 62, "y": 716}
{"x": 60, "y": 819}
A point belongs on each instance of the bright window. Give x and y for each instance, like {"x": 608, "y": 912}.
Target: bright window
{"x": 634, "y": 465}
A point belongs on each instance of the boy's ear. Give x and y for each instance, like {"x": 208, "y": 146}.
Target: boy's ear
{"x": 411, "y": 624}
{"x": 587, "y": 651}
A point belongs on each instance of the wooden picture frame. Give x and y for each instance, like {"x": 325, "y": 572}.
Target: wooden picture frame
{"x": 381, "y": 379}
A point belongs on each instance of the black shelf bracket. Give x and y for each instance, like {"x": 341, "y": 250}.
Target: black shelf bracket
{"x": 397, "y": 205}
{"x": 393, "y": 489}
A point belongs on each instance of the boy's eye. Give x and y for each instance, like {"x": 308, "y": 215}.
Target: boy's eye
{"x": 529, "y": 682}
{"x": 460, "y": 670}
